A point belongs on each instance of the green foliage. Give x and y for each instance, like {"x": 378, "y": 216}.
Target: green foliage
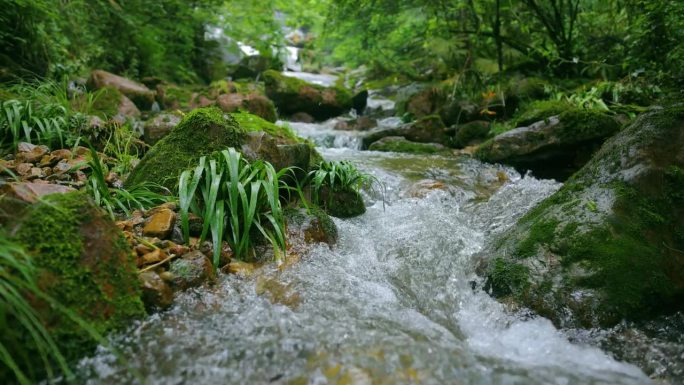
{"x": 17, "y": 280}
{"x": 234, "y": 198}
{"x": 141, "y": 196}
{"x": 339, "y": 176}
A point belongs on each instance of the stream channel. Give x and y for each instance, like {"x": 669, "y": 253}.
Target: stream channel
{"x": 396, "y": 301}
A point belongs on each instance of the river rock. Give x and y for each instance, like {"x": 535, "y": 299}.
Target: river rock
{"x": 156, "y": 293}
{"x": 309, "y": 226}
{"x": 253, "y": 103}
{"x": 192, "y": 270}
{"x": 160, "y": 224}
{"x": 138, "y": 93}
{"x": 429, "y": 129}
{"x": 554, "y": 148}
{"x": 608, "y": 245}
{"x": 341, "y": 203}
{"x": 84, "y": 262}
{"x": 262, "y": 145}
{"x": 292, "y": 95}
{"x": 159, "y": 126}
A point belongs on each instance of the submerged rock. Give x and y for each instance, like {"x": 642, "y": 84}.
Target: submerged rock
{"x": 608, "y": 245}
{"x": 553, "y": 148}
{"x": 292, "y": 95}
{"x": 399, "y": 144}
{"x": 84, "y": 263}
{"x": 156, "y": 294}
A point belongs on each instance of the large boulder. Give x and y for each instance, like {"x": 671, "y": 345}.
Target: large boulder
{"x": 470, "y": 133}
{"x": 436, "y": 100}
{"x": 292, "y": 95}
{"x": 142, "y": 96}
{"x": 202, "y": 132}
{"x": 110, "y": 103}
{"x": 608, "y": 245}
{"x": 429, "y": 129}
{"x": 84, "y": 263}
{"x": 253, "y": 103}
{"x": 553, "y": 148}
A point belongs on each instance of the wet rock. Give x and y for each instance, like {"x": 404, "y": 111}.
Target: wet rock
{"x": 138, "y": 93}
{"x": 192, "y": 270}
{"x": 554, "y": 148}
{"x": 607, "y": 245}
{"x": 261, "y": 145}
{"x": 154, "y": 256}
{"x": 159, "y": 126}
{"x": 359, "y": 101}
{"x": 255, "y": 104}
{"x": 361, "y": 123}
{"x": 243, "y": 269}
{"x": 342, "y": 203}
{"x": 302, "y": 117}
{"x": 160, "y": 224}
{"x": 292, "y": 95}
{"x": 429, "y": 129}
{"x": 424, "y": 187}
{"x": 470, "y": 133}
{"x": 306, "y": 227}
{"x": 156, "y": 293}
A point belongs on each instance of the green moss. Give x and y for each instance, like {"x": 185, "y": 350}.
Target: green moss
{"x": 107, "y": 101}
{"x": 292, "y": 95}
{"x": 469, "y": 133}
{"x": 539, "y": 110}
{"x": 581, "y": 123}
{"x": 508, "y": 278}
{"x": 252, "y": 123}
{"x": 345, "y": 203}
{"x": 84, "y": 263}
{"x": 202, "y": 132}
{"x": 540, "y": 232}
{"x": 177, "y": 96}
{"x": 328, "y": 224}
{"x": 398, "y": 144}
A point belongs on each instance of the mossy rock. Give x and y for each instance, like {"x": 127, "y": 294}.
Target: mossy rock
{"x": 292, "y": 95}
{"x": 606, "y": 246}
{"x": 428, "y": 129}
{"x": 342, "y": 203}
{"x": 173, "y": 97}
{"x": 83, "y": 262}
{"x": 107, "y": 102}
{"x": 200, "y": 133}
{"x": 470, "y": 133}
{"x": 312, "y": 225}
{"x": 255, "y": 104}
{"x": 539, "y": 110}
{"x": 399, "y": 144}
{"x": 553, "y": 148}
{"x": 524, "y": 90}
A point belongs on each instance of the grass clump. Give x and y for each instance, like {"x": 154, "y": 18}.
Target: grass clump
{"x": 234, "y": 198}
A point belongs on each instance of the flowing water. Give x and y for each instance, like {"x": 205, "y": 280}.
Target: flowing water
{"x": 396, "y": 301}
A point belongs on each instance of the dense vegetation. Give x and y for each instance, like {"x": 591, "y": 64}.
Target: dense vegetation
{"x": 596, "y": 64}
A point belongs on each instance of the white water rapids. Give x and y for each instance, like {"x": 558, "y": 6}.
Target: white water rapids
{"x": 392, "y": 303}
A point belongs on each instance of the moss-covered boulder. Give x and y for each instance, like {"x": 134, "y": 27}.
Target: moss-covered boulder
{"x": 437, "y": 100}
{"x": 292, "y": 95}
{"x": 470, "y": 133}
{"x": 173, "y": 97}
{"x": 608, "y": 245}
{"x": 85, "y": 263}
{"x": 399, "y": 144}
{"x": 342, "y": 203}
{"x": 553, "y": 148}
{"x": 255, "y": 104}
{"x": 305, "y": 227}
{"x": 539, "y": 110}
{"x": 428, "y": 129}
{"x": 200, "y": 133}
{"x": 142, "y": 96}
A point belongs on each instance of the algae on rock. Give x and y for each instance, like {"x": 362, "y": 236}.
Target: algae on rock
{"x": 85, "y": 264}
{"x": 607, "y": 245}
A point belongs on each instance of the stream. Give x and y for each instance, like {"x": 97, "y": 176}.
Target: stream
{"x": 392, "y": 303}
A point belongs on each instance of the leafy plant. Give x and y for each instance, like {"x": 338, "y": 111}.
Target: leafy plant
{"x": 142, "y": 196}
{"x": 21, "y": 121}
{"x": 235, "y": 197}
{"x": 339, "y": 176}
